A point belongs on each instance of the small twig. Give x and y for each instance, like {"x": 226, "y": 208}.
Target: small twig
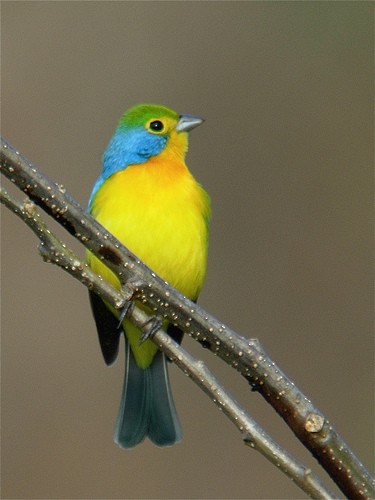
{"x": 247, "y": 356}
{"x": 53, "y": 250}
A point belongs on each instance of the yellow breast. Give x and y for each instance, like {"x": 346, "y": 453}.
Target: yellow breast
{"x": 160, "y": 213}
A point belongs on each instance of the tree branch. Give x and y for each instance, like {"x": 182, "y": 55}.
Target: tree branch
{"x": 56, "y": 252}
{"x": 247, "y": 356}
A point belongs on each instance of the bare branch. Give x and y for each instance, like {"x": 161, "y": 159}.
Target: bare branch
{"x": 246, "y": 356}
{"x": 53, "y": 250}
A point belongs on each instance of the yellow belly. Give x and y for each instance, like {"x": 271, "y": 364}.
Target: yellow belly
{"x": 160, "y": 213}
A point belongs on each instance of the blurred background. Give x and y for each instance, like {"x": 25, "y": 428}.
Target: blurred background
{"x": 286, "y": 155}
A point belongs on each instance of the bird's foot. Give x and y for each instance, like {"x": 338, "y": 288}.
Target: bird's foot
{"x": 151, "y": 327}
{"x": 128, "y": 305}
{"x": 129, "y": 290}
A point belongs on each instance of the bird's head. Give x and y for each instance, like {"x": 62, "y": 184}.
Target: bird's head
{"x": 144, "y": 131}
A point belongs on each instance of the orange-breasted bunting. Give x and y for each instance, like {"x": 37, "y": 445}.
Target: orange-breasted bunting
{"x": 149, "y": 200}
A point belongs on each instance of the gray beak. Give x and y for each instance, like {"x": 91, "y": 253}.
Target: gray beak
{"x": 188, "y": 122}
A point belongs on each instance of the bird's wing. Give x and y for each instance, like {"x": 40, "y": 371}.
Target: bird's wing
{"x": 107, "y": 327}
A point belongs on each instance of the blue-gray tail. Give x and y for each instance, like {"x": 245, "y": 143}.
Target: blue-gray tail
{"x": 147, "y": 407}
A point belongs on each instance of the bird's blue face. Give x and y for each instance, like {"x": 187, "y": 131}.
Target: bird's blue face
{"x": 129, "y": 147}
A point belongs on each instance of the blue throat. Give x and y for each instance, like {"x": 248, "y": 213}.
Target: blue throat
{"x": 128, "y": 147}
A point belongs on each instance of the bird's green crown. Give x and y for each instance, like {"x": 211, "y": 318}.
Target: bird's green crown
{"x": 139, "y": 115}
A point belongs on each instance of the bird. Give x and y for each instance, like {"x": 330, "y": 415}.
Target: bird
{"x": 149, "y": 200}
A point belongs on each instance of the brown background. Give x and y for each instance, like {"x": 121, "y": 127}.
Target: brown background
{"x": 286, "y": 154}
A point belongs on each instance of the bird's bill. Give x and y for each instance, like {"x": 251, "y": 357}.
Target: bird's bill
{"x": 188, "y": 122}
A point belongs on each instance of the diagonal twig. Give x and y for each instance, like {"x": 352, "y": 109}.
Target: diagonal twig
{"x": 247, "y": 356}
{"x": 53, "y": 250}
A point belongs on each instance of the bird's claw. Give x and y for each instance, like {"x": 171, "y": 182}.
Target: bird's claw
{"x": 126, "y": 308}
{"x": 152, "y": 326}
{"x": 129, "y": 290}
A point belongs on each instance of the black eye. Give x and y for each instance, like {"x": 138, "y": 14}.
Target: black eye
{"x": 157, "y": 126}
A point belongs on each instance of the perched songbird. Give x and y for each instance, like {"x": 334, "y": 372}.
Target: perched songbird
{"x": 149, "y": 200}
